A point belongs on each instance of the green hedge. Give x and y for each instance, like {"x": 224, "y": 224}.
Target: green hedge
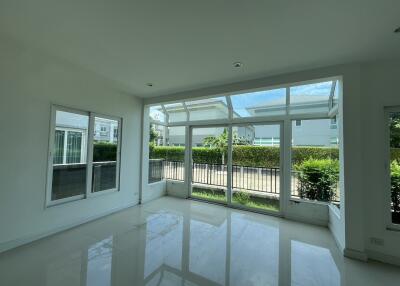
{"x": 104, "y": 152}
{"x": 395, "y": 154}
{"x": 254, "y": 156}
{"x": 395, "y": 186}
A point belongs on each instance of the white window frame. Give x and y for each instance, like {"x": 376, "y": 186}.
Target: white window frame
{"x": 89, "y": 154}
{"x": 286, "y": 128}
{"x": 388, "y": 199}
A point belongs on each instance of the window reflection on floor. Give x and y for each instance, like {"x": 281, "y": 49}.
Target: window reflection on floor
{"x": 251, "y": 239}
{"x": 208, "y": 250}
{"x": 312, "y": 265}
{"x": 100, "y": 263}
{"x": 163, "y": 242}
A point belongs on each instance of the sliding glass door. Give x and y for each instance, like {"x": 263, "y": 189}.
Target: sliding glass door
{"x": 209, "y": 155}
{"x": 256, "y": 166}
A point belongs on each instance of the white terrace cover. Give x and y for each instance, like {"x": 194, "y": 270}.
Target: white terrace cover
{"x": 317, "y": 98}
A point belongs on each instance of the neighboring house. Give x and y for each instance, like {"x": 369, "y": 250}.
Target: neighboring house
{"x": 71, "y": 135}
{"x": 321, "y": 132}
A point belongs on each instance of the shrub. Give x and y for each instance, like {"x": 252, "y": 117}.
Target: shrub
{"x": 104, "y": 152}
{"x": 241, "y": 197}
{"x": 318, "y": 179}
{"x": 395, "y": 185}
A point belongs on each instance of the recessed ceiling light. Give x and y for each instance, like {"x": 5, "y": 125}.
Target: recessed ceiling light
{"x": 397, "y": 30}
{"x": 237, "y": 64}
{"x": 149, "y": 84}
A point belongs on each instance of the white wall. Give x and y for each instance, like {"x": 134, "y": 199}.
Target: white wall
{"x": 30, "y": 81}
{"x": 380, "y": 87}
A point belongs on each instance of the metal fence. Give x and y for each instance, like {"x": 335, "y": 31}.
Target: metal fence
{"x": 255, "y": 179}
{"x": 243, "y": 177}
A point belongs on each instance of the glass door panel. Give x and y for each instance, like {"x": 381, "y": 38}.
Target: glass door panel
{"x": 209, "y": 163}
{"x": 256, "y": 161}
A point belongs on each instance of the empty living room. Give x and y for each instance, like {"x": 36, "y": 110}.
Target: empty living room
{"x": 240, "y": 143}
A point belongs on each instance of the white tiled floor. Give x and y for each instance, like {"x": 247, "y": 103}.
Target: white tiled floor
{"x": 181, "y": 242}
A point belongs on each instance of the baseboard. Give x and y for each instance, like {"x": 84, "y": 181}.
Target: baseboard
{"x": 307, "y": 220}
{"x": 385, "y": 258}
{"x": 6, "y": 246}
{"x": 355, "y": 254}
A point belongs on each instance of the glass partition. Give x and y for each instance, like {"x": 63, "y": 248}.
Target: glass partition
{"x": 256, "y": 172}
{"x": 310, "y": 98}
{"x": 209, "y": 163}
{"x": 394, "y": 141}
{"x": 157, "y": 113}
{"x": 70, "y": 154}
{"x": 315, "y": 160}
{"x": 208, "y": 109}
{"x": 105, "y": 154}
{"x": 176, "y": 112}
{"x": 157, "y": 139}
{"x": 260, "y": 103}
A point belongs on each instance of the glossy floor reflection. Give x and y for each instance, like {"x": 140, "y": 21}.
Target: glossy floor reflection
{"x": 181, "y": 242}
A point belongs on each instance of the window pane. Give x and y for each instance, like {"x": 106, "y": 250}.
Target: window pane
{"x": 256, "y": 170}
{"x": 209, "y": 170}
{"x": 208, "y": 109}
{"x": 394, "y": 125}
{"x": 176, "y": 112}
{"x": 105, "y": 154}
{"x": 59, "y": 147}
{"x": 157, "y": 113}
{"x": 174, "y": 168}
{"x": 69, "y": 155}
{"x": 158, "y": 139}
{"x": 310, "y": 98}
{"x": 260, "y": 103}
{"x": 315, "y": 161}
{"x": 335, "y": 99}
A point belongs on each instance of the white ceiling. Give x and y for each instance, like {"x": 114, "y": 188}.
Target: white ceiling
{"x": 185, "y": 45}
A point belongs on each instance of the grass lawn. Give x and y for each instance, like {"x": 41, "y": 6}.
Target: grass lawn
{"x": 258, "y": 203}
{"x": 208, "y": 194}
{"x": 218, "y": 195}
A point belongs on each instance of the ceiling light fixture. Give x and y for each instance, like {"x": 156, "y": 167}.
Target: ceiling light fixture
{"x": 397, "y": 30}
{"x": 237, "y": 64}
{"x": 149, "y": 84}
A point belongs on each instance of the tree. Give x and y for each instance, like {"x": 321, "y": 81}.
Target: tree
{"x": 221, "y": 142}
{"x": 394, "y": 126}
{"x": 153, "y": 134}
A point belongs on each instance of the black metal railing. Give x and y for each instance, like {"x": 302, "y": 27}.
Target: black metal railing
{"x": 256, "y": 179}
{"x": 156, "y": 170}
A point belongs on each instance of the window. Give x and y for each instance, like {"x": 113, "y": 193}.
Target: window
{"x": 252, "y": 119}
{"x": 394, "y": 157}
{"x": 71, "y": 147}
{"x": 157, "y": 113}
{"x": 69, "y": 153}
{"x": 260, "y": 103}
{"x": 310, "y": 98}
{"x": 333, "y": 123}
{"x": 315, "y": 161}
{"x": 208, "y": 109}
{"x": 157, "y": 138}
{"x": 105, "y": 157}
{"x": 176, "y": 112}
